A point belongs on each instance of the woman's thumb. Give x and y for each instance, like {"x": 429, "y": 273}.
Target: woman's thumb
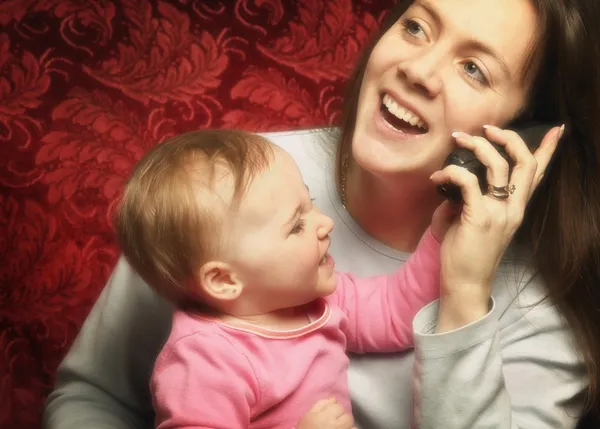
{"x": 443, "y": 217}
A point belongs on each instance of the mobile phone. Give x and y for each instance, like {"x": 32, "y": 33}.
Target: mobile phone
{"x": 531, "y": 133}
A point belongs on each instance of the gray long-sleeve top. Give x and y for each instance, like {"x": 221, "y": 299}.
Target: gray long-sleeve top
{"x": 515, "y": 368}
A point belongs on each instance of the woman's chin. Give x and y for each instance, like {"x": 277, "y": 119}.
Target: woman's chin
{"x": 375, "y": 157}
{"x": 383, "y": 158}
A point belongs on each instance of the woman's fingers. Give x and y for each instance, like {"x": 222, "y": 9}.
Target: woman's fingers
{"x": 466, "y": 181}
{"x": 442, "y": 219}
{"x": 521, "y": 182}
{"x": 528, "y": 167}
{"x": 544, "y": 153}
{"x": 525, "y": 164}
{"x": 497, "y": 171}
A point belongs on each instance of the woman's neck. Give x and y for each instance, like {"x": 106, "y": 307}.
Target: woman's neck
{"x": 396, "y": 214}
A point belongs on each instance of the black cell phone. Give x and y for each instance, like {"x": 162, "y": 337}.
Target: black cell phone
{"x": 531, "y": 133}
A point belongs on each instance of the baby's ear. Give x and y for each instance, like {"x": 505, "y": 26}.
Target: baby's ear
{"x": 219, "y": 281}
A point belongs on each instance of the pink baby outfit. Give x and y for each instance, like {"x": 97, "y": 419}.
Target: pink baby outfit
{"x": 213, "y": 375}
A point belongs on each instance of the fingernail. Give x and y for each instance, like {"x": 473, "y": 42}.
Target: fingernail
{"x": 457, "y": 134}
{"x": 492, "y": 128}
{"x": 561, "y": 131}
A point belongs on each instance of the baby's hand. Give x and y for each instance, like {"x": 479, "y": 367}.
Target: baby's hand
{"x": 326, "y": 414}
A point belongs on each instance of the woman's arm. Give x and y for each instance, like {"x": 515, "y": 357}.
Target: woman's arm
{"x": 469, "y": 373}
{"x": 103, "y": 381}
{"x": 514, "y": 368}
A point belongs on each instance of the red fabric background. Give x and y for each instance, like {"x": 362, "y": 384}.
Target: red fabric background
{"x": 86, "y": 86}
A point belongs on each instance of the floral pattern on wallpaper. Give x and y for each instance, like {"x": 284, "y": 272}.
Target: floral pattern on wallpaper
{"x": 86, "y": 86}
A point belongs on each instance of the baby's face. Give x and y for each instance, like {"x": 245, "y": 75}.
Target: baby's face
{"x": 279, "y": 240}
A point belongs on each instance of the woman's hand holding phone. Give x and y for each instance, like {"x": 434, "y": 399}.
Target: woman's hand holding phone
{"x": 483, "y": 224}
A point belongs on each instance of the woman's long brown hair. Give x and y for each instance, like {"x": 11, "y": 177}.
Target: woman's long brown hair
{"x": 561, "y": 227}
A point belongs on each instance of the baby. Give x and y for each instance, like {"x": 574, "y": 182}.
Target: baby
{"x": 221, "y": 224}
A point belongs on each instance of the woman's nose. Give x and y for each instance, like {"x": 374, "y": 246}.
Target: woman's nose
{"x": 422, "y": 72}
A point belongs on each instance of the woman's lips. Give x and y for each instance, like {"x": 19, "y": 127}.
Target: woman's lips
{"x": 388, "y": 131}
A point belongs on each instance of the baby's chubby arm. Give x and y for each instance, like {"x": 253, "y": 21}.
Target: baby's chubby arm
{"x": 380, "y": 309}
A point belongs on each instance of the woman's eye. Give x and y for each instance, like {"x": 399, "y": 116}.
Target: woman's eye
{"x": 474, "y": 72}
{"x": 413, "y": 28}
{"x": 299, "y": 227}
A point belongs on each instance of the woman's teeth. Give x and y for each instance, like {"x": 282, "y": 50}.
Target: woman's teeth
{"x": 323, "y": 260}
{"x": 403, "y": 113}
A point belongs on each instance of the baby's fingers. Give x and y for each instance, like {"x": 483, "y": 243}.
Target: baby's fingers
{"x": 345, "y": 422}
{"x": 323, "y": 404}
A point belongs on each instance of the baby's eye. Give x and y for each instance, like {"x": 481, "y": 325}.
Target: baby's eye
{"x": 299, "y": 227}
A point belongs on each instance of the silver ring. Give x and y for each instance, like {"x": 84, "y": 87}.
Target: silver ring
{"x": 501, "y": 192}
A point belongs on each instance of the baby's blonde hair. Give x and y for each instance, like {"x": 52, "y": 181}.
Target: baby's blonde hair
{"x": 168, "y": 220}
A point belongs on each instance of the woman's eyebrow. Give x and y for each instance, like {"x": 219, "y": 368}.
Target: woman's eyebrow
{"x": 472, "y": 43}
{"x": 431, "y": 11}
{"x": 488, "y": 50}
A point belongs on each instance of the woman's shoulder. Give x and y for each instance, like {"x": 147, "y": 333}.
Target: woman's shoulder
{"x": 291, "y": 138}
{"x": 313, "y": 150}
{"x": 522, "y": 301}
{"x": 307, "y": 146}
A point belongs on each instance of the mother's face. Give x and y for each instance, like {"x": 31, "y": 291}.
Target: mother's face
{"x": 446, "y": 65}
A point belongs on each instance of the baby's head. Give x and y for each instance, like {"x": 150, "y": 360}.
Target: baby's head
{"x": 221, "y": 219}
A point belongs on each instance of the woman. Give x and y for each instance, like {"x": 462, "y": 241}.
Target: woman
{"x": 492, "y": 352}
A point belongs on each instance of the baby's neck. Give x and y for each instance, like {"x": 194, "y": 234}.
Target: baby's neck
{"x": 286, "y": 319}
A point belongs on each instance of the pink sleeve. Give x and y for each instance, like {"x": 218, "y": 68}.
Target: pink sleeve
{"x": 380, "y": 309}
{"x": 203, "y": 382}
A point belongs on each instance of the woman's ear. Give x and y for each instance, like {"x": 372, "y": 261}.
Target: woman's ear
{"x": 219, "y": 281}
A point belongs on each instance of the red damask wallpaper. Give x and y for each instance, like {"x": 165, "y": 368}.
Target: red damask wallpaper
{"x": 86, "y": 86}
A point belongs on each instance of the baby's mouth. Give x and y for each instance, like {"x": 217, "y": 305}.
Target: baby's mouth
{"x": 400, "y": 118}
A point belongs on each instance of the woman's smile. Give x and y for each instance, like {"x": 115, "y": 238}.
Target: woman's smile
{"x": 402, "y": 118}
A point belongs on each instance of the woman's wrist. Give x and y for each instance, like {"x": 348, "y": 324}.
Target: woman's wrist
{"x": 457, "y": 310}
